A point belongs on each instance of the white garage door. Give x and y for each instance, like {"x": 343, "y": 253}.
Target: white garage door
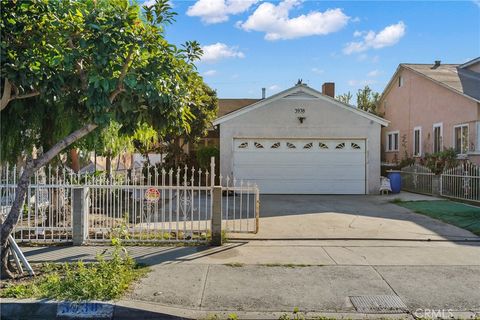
{"x": 292, "y": 166}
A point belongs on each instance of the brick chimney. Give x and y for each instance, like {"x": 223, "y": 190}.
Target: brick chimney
{"x": 328, "y": 89}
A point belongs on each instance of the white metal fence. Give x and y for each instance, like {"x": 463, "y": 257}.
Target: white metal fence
{"x": 46, "y": 215}
{"x": 461, "y": 182}
{"x": 142, "y": 205}
{"x": 417, "y": 178}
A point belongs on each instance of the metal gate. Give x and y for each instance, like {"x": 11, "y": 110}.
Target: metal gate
{"x": 139, "y": 205}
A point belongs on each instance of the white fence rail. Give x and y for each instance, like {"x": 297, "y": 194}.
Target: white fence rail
{"x": 143, "y": 205}
{"x": 461, "y": 182}
{"x": 46, "y": 215}
{"x": 240, "y": 206}
{"x": 417, "y": 178}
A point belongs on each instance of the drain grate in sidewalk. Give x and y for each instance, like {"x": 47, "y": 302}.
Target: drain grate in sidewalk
{"x": 378, "y": 304}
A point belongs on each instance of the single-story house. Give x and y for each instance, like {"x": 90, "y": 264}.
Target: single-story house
{"x": 302, "y": 141}
{"x": 432, "y": 107}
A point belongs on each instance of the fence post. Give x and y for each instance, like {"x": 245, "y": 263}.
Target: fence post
{"x": 217, "y": 216}
{"x": 212, "y": 171}
{"x": 80, "y": 216}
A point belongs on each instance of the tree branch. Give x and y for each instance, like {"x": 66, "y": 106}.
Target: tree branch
{"x": 122, "y": 76}
{"x": 29, "y": 170}
{"x": 7, "y": 94}
{"x": 79, "y": 67}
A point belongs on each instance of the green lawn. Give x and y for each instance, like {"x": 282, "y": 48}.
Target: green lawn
{"x": 458, "y": 214}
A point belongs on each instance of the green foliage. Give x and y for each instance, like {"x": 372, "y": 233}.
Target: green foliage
{"x": 92, "y": 62}
{"x": 103, "y": 280}
{"x": 204, "y": 154}
{"x": 367, "y": 100}
{"x": 345, "y": 98}
{"x": 439, "y": 161}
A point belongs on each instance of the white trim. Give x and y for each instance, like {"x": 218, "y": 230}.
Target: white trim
{"x": 394, "y": 77}
{"x": 477, "y": 150}
{"x": 437, "y": 125}
{"x": 469, "y": 63}
{"x": 298, "y": 89}
{"x": 398, "y": 141}
{"x": 419, "y": 142}
{"x": 468, "y": 138}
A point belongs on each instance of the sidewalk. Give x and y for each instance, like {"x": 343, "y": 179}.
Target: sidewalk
{"x": 262, "y": 279}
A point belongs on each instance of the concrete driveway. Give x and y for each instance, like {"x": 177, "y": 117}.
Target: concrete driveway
{"x": 348, "y": 217}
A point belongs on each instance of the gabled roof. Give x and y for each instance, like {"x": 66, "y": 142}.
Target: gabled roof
{"x": 298, "y": 91}
{"x": 471, "y": 62}
{"x": 453, "y": 77}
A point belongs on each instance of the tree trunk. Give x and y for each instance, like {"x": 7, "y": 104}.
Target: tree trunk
{"x": 30, "y": 167}
{"x": 75, "y": 162}
{"x": 108, "y": 165}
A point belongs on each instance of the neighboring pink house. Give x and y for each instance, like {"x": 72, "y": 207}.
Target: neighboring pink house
{"x": 432, "y": 107}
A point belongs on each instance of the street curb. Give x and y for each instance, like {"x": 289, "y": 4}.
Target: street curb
{"x": 136, "y": 309}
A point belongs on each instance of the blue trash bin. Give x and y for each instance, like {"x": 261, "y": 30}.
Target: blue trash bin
{"x": 395, "y": 180}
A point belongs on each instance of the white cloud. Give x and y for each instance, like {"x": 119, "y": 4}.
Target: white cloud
{"x": 477, "y": 2}
{"x": 216, "y": 11}
{"x": 317, "y": 70}
{"x": 372, "y": 40}
{"x": 373, "y": 73}
{"x": 150, "y": 3}
{"x": 356, "y": 83}
{"x": 218, "y": 51}
{"x": 210, "y": 73}
{"x": 274, "y": 87}
{"x": 274, "y": 20}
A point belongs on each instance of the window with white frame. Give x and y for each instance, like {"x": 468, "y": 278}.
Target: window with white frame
{"x": 417, "y": 141}
{"x": 460, "y": 138}
{"x": 392, "y": 140}
{"x": 437, "y": 137}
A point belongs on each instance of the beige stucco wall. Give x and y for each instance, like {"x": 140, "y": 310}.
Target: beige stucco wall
{"x": 475, "y": 67}
{"x": 323, "y": 120}
{"x": 423, "y": 103}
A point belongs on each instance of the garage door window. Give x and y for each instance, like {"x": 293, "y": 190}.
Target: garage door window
{"x": 355, "y": 146}
{"x": 276, "y": 145}
{"x": 308, "y": 146}
{"x": 322, "y": 145}
{"x": 291, "y": 145}
{"x": 340, "y": 145}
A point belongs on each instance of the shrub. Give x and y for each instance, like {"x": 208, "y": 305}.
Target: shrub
{"x": 204, "y": 154}
{"x": 439, "y": 161}
{"x": 103, "y": 280}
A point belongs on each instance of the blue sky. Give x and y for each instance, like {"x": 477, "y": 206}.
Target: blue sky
{"x": 253, "y": 44}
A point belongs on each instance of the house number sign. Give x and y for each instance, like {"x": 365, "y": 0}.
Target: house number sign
{"x": 299, "y": 110}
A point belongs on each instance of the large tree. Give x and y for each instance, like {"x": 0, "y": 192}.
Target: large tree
{"x": 69, "y": 68}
